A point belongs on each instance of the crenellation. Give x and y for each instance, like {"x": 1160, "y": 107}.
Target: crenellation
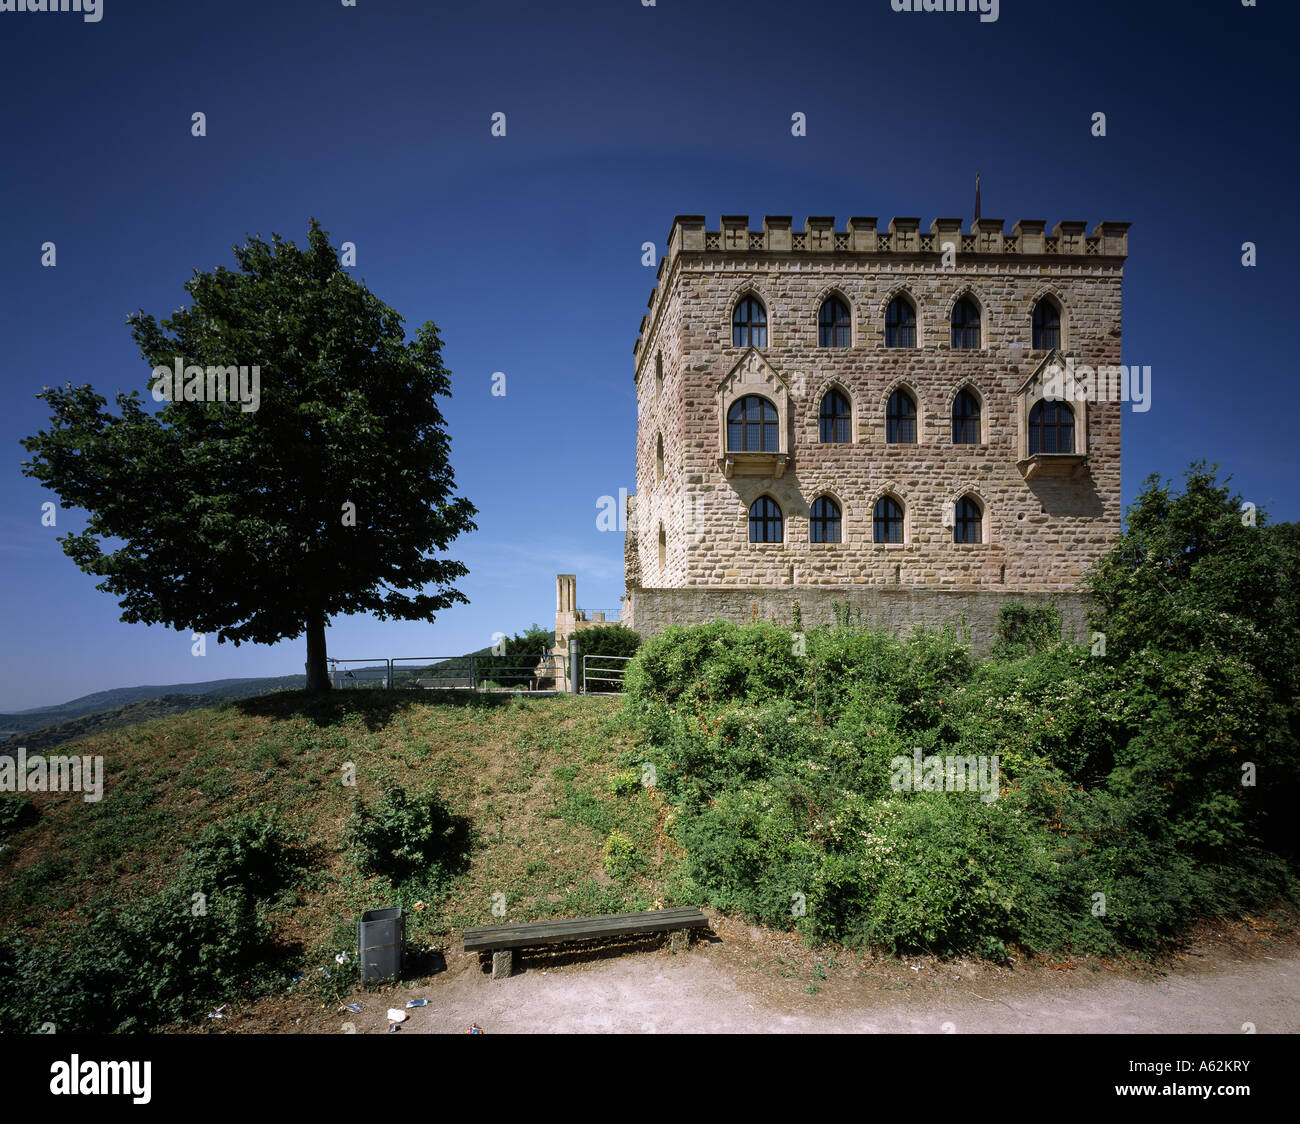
{"x": 907, "y": 247}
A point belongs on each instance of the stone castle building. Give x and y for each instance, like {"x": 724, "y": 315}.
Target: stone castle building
{"x": 864, "y": 417}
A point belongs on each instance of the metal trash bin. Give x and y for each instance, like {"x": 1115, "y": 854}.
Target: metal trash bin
{"x": 381, "y": 933}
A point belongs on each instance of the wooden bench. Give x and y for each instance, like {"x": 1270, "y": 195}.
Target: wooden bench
{"x": 502, "y": 940}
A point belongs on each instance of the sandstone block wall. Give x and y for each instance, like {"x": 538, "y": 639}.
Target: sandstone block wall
{"x": 688, "y": 525}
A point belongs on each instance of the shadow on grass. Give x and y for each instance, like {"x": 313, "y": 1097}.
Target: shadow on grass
{"x": 374, "y": 707}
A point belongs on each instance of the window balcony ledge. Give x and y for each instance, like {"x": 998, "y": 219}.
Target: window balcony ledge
{"x": 1072, "y": 465}
{"x": 753, "y": 464}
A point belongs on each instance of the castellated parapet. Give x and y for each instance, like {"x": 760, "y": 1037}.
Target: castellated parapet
{"x": 994, "y": 504}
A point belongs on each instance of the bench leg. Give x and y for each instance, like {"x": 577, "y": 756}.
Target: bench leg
{"x": 503, "y": 964}
{"x": 679, "y": 940}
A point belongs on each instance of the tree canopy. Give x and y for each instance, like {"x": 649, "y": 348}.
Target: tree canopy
{"x": 325, "y": 489}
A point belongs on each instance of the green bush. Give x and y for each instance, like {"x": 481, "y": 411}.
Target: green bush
{"x": 253, "y": 852}
{"x": 910, "y": 680}
{"x": 749, "y": 851}
{"x": 1125, "y": 807}
{"x": 713, "y": 663}
{"x": 143, "y": 969}
{"x": 403, "y": 836}
{"x": 620, "y": 855}
{"x": 625, "y": 782}
{"x": 16, "y": 812}
{"x": 936, "y": 873}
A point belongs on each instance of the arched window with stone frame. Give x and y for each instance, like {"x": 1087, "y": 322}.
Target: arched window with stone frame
{"x": 749, "y": 322}
{"x": 835, "y": 419}
{"x": 825, "y": 520}
{"x": 1051, "y": 427}
{"x": 966, "y": 420}
{"x": 900, "y": 322}
{"x": 900, "y": 418}
{"x": 1046, "y": 324}
{"x": 968, "y": 520}
{"x": 766, "y": 523}
{"x": 965, "y": 325}
{"x": 834, "y": 323}
{"x": 753, "y": 426}
{"x": 887, "y": 520}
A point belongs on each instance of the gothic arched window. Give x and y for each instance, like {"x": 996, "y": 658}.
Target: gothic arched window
{"x": 968, "y": 521}
{"x": 834, "y": 419}
{"x": 900, "y": 323}
{"x": 765, "y": 521}
{"x": 965, "y": 325}
{"x": 1047, "y": 325}
{"x": 749, "y": 323}
{"x": 824, "y": 521}
{"x": 1051, "y": 428}
{"x": 752, "y": 426}
{"x": 965, "y": 419}
{"x": 900, "y": 419}
{"x": 887, "y": 520}
{"x": 833, "y": 323}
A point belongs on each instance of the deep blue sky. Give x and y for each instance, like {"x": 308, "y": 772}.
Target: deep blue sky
{"x": 526, "y": 250}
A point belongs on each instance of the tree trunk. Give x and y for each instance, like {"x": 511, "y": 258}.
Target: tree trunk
{"x": 318, "y": 676}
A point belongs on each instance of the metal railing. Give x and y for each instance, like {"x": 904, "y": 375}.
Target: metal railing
{"x": 542, "y": 672}
{"x": 374, "y": 673}
{"x": 594, "y": 671}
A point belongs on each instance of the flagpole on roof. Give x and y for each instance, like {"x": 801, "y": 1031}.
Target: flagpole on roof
{"x": 977, "y": 197}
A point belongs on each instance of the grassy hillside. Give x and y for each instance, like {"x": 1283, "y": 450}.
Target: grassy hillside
{"x": 532, "y": 776}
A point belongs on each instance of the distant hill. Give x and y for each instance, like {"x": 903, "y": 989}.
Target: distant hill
{"x": 47, "y": 738}
{"x": 214, "y": 689}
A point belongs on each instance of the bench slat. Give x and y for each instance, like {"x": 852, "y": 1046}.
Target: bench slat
{"x": 676, "y": 911}
{"x": 500, "y": 937}
{"x": 570, "y": 926}
{"x": 561, "y": 922}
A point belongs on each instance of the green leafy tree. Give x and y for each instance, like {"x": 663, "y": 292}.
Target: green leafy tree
{"x": 513, "y": 661}
{"x": 1198, "y": 605}
{"x": 611, "y": 640}
{"x": 1202, "y": 571}
{"x": 333, "y": 496}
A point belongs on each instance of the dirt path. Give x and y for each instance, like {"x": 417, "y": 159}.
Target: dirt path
{"x": 751, "y": 980}
{"x": 694, "y": 992}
